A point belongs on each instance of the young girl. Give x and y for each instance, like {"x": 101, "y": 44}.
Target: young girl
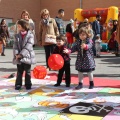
{"x": 59, "y": 50}
{"x": 85, "y": 58}
{"x": 24, "y": 55}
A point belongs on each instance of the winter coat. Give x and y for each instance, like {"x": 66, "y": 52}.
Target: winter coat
{"x": 32, "y": 27}
{"x": 85, "y": 58}
{"x": 60, "y": 25}
{"x": 44, "y": 29}
{"x": 4, "y": 31}
{"x": 24, "y": 47}
{"x": 96, "y": 27}
{"x": 59, "y": 50}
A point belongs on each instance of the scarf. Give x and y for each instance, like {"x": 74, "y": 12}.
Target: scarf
{"x": 23, "y": 33}
{"x": 46, "y": 21}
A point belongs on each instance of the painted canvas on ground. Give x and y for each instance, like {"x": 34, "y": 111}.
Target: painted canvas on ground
{"x": 46, "y": 102}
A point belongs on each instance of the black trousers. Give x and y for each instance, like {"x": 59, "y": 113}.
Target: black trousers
{"x": 48, "y": 50}
{"x": 20, "y": 69}
{"x": 65, "y": 68}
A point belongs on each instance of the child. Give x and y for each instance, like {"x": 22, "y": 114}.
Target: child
{"x": 89, "y": 27}
{"x": 24, "y": 55}
{"x": 59, "y": 50}
{"x": 98, "y": 45}
{"x": 85, "y": 58}
{"x": 69, "y": 33}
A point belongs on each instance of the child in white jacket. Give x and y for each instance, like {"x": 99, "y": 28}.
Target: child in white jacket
{"x": 98, "y": 45}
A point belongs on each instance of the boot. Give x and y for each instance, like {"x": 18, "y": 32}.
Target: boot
{"x": 17, "y": 87}
{"x": 80, "y": 85}
{"x": 2, "y": 54}
{"x": 91, "y": 85}
{"x": 56, "y": 85}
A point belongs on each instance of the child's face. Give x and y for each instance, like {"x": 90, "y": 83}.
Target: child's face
{"x": 19, "y": 27}
{"x": 83, "y": 36}
{"x": 60, "y": 43}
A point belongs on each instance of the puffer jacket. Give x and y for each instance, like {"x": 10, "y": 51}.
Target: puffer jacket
{"x": 24, "y": 47}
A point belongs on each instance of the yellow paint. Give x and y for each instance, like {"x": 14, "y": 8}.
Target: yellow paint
{"x": 75, "y": 117}
{"x": 114, "y": 91}
{"x": 40, "y": 92}
{"x": 55, "y": 104}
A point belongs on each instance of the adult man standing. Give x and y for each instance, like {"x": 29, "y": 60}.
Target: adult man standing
{"x": 60, "y": 22}
{"x": 96, "y": 29}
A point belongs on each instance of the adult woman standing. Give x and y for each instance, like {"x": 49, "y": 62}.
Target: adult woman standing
{"x": 47, "y": 25}
{"x": 26, "y": 16}
{"x": 4, "y": 34}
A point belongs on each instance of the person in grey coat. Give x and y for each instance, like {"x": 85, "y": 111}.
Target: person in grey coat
{"x": 24, "y": 55}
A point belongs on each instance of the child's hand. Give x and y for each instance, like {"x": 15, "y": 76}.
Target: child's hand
{"x": 65, "y": 50}
{"x": 18, "y": 56}
{"x": 83, "y": 46}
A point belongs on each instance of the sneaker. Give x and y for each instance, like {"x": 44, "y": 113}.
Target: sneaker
{"x": 56, "y": 85}
{"x": 79, "y": 86}
{"x": 18, "y": 87}
{"x": 12, "y": 75}
{"x": 67, "y": 85}
{"x": 28, "y": 87}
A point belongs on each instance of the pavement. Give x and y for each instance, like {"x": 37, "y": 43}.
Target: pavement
{"x": 107, "y": 66}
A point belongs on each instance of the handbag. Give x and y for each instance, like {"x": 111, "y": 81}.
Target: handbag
{"x": 50, "y": 39}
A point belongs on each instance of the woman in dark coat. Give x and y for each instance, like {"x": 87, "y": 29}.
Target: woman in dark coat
{"x": 4, "y": 34}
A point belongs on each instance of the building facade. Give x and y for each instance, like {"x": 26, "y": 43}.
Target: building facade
{"x": 11, "y": 9}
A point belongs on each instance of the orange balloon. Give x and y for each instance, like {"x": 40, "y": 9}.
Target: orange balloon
{"x": 39, "y": 72}
{"x": 55, "y": 62}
